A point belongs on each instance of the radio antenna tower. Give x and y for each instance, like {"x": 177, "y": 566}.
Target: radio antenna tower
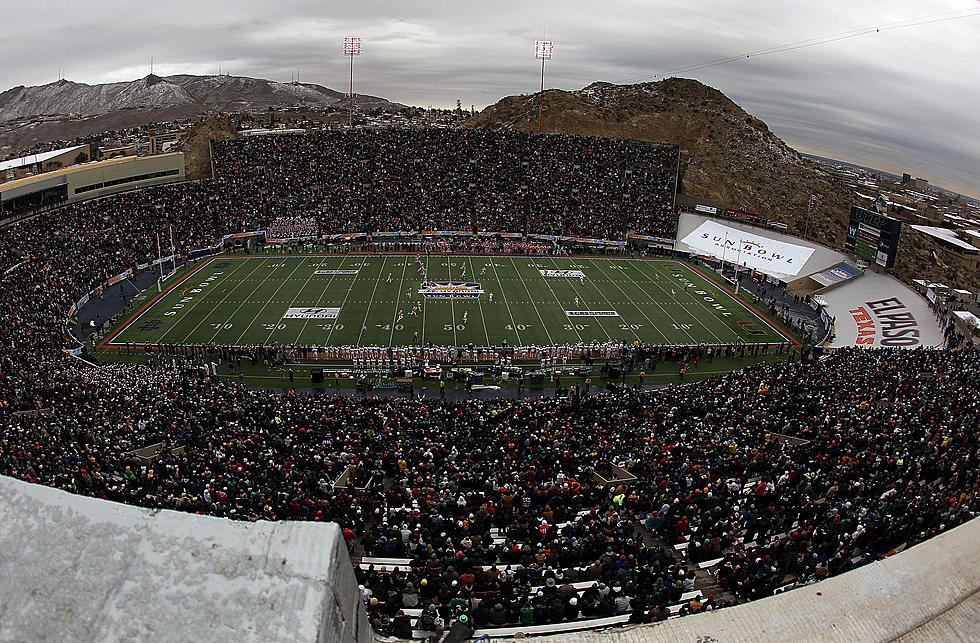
{"x": 543, "y": 49}
{"x": 352, "y": 47}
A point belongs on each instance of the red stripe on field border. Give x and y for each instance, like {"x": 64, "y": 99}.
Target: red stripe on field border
{"x": 772, "y": 324}
{"x": 107, "y": 342}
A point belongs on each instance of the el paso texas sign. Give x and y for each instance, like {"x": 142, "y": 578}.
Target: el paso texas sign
{"x": 885, "y": 322}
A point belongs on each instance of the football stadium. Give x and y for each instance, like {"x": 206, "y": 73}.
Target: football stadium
{"x": 387, "y": 384}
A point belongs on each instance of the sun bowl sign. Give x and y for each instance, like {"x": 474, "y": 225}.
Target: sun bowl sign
{"x": 751, "y": 250}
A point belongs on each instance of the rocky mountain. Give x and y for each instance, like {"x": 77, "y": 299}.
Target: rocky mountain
{"x": 181, "y": 93}
{"x": 728, "y": 157}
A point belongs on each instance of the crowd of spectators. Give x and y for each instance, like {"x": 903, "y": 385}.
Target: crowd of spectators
{"x": 402, "y": 179}
{"x": 292, "y": 228}
{"x": 783, "y": 470}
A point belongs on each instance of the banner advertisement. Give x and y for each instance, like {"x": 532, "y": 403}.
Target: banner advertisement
{"x": 643, "y": 237}
{"x": 706, "y": 208}
{"x": 290, "y": 239}
{"x": 203, "y": 252}
{"x": 748, "y": 249}
{"x": 240, "y": 235}
{"x": 119, "y": 277}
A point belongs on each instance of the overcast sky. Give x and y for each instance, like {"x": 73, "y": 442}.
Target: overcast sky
{"x": 902, "y": 99}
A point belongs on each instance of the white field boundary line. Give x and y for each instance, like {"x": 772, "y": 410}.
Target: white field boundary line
{"x": 367, "y": 311}
{"x": 647, "y": 317}
{"x": 554, "y": 260}
{"x": 480, "y": 304}
{"x": 531, "y": 299}
{"x": 241, "y": 263}
{"x": 503, "y": 293}
{"x": 268, "y": 301}
{"x": 147, "y": 307}
{"x": 325, "y": 289}
{"x": 744, "y": 305}
{"x": 263, "y": 262}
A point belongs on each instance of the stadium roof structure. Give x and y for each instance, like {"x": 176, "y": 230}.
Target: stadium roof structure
{"x": 944, "y": 234}
{"x": 37, "y": 158}
{"x": 81, "y": 568}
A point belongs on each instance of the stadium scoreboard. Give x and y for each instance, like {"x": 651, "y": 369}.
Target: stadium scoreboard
{"x": 873, "y": 236}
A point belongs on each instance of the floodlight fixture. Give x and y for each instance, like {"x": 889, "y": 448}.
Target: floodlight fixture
{"x": 352, "y": 47}
{"x": 543, "y": 49}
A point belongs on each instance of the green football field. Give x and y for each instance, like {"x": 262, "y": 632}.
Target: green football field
{"x": 359, "y": 300}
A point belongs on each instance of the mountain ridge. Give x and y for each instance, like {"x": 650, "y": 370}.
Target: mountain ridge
{"x": 728, "y": 156}
{"x": 208, "y": 93}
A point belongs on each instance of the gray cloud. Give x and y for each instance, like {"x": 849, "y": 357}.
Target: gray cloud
{"x": 902, "y": 99}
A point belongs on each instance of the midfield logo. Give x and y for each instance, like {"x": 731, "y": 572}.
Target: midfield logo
{"x": 450, "y": 290}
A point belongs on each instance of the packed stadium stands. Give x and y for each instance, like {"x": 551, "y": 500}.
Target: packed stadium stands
{"x": 777, "y": 475}
{"x": 398, "y": 179}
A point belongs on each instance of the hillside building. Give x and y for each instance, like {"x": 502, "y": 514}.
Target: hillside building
{"x": 42, "y": 162}
{"x": 952, "y": 249}
{"x": 162, "y": 142}
{"x": 88, "y": 181}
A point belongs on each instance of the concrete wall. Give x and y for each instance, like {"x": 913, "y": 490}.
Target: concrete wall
{"x": 74, "y": 568}
{"x": 117, "y": 171}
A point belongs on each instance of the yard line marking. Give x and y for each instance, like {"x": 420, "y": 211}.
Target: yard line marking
{"x": 215, "y": 333}
{"x": 503, "y": 293}
{"x": 275, "y": 323}
{"x": 317, "y": 302}
{"x": 608, "y": 336}
{"x": 367, "y": 312}
{"x": 422, "y": 340}
{"x": 480, "y": 304}
{"x": 706, "y": 326}
{"x": 198, "y": 302}
{"x": 743, "y": 304}
{"x": 557, "y": 301}
{"x": 346, "y": 295}
{"x": 299, "y": 262}
{"x": 529, "y": 296}
{"x": 452, "y": 305}
{"x": 401, "y": 283}
{"x": 664, "y": 310}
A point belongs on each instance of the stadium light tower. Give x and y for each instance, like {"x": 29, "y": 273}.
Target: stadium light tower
{"x": 543, "y": 49}
{"x": 352, "y": 47}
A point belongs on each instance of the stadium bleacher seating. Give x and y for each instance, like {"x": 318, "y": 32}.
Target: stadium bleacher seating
{"x": 485, "y": 481}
